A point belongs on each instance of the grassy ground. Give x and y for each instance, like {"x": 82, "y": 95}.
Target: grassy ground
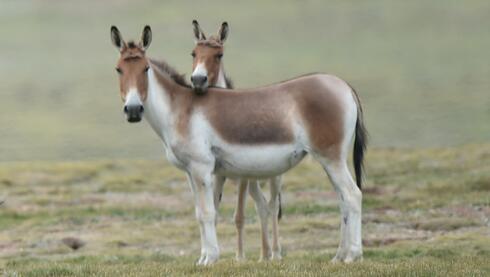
{"x": 421, "y": 67}
{"x": 426, "y": 213}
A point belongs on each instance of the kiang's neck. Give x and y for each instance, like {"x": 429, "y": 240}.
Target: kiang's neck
{"x": 162, "y": 90}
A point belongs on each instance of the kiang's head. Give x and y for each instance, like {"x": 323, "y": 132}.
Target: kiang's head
{"x": 207, "y": 56}
{"x": 132, "y": 67}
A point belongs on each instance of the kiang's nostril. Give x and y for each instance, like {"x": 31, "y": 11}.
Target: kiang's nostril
{"x": 142, "y": 109}
{"x": 199, "y": 79}
{"x": 125, "y": 109}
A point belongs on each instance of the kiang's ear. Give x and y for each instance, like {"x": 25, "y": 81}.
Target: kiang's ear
{"x": 145, "y": 38}
{"x": 117, "y": 38}
{"x": 223, "y": 32}
{"x": 198, "y": 33}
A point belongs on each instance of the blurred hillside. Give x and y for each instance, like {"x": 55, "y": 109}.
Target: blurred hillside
{"x": 421, "y": 67}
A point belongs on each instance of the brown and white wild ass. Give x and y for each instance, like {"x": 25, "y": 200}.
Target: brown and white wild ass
{"x": 277, "y": 126}
{"x": 208, "y": 71}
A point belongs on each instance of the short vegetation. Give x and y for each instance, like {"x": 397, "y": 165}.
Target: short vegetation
{"x": 426, "y": 213}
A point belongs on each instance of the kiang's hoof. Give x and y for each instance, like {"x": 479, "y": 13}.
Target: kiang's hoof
{"x": 240, "y": 259}
{"x": 276, "y": 256}
{"x": 264, "y": 259}
{"x": 201, "y": 259}
{"x": 349, "y": 258}
{"x": 210, "y": 259}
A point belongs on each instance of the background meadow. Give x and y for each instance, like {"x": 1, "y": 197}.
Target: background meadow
{"x": 72, "y": 168}
{"x": 421, "y": 67}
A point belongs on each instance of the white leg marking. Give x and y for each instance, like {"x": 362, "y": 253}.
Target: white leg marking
{"x": 350, "y": 198}
{"x": 201, "y": 227}
{"x": 203, "y": 188}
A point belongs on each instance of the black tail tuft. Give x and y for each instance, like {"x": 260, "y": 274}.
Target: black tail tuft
{"x": 360, "y": 143}
{"x": 279, "y": 214}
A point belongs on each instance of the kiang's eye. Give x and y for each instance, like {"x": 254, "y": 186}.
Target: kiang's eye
{"x": 219, "y": 56}
{"x": 118, "y": 70}
{"x": 193, "y": 54}
{"x": 146, "y": 69}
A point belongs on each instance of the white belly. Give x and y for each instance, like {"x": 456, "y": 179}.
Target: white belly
{"x": 258, "y": 161}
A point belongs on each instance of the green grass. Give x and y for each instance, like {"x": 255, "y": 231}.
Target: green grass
{"x": 425, "y": 213}
{"x": 421, "y": 67}
{"x": 299, "y": 266}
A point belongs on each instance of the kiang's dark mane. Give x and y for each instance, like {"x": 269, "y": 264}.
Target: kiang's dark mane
{"x": 172, "y": 73}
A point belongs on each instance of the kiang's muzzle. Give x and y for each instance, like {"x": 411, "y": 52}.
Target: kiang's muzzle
{"x": 200, "y": 83}
{"x": 199, "y": 79}
{"x": 133, "y": 107}
{"x": 134, "y": 113}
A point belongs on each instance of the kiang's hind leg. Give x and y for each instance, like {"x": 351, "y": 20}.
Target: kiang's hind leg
{"x": 240, "y": 217}
{"x": 263, "y": 212}
{"x": 274, "y": 206}
{"x": 350, "y": 202}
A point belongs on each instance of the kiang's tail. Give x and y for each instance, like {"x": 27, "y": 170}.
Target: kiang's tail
{"x": 360, "y": 142}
